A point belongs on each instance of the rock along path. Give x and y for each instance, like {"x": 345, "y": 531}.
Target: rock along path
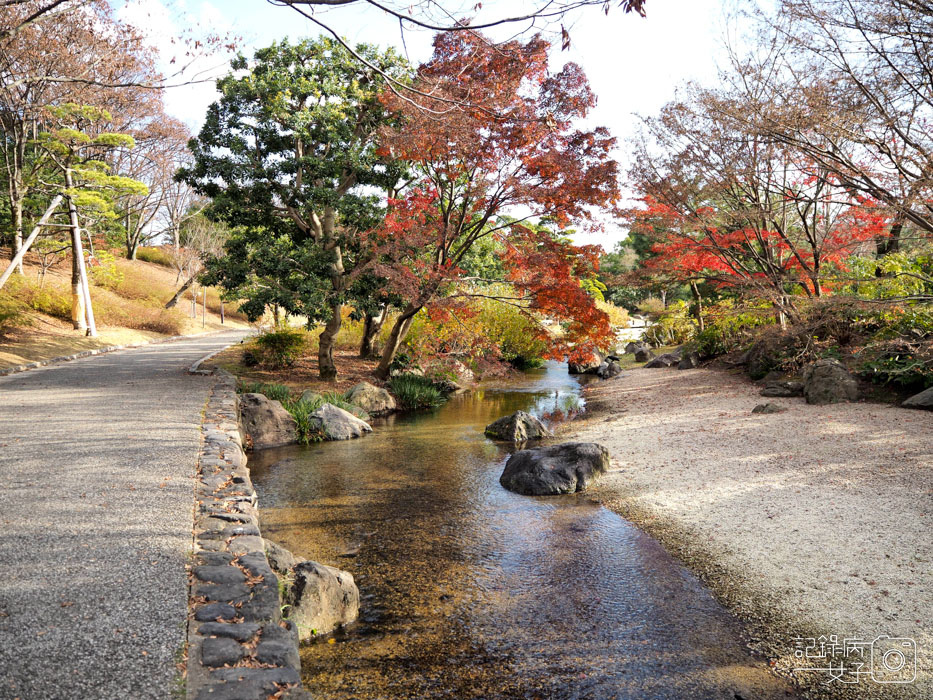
{"x": 97, "y": 460}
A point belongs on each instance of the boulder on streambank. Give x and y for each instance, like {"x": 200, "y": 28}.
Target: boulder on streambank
{"x": 689, "y": 361}
{"x": 518, "y": 427}
{"x": 668, "y": 359}
{"x": 609, "y": 368}
{"x": 604, "y": 367}
{"x": 264, "y": 422}
{"x": 923, "y": 400}
{"x": 782, "y": 388}
{"x": 828, "y": 381}
{"x": 372, "y": 399}
{"x": 768, "y": 408}
{"x": 587, "y": 365}
{"x": 332, "y": 423}
{"x": 545, "y": 471}
{"x": 319, "y": 598}
{"x": 643, "y": 354}
{"x": 310, "y": 396}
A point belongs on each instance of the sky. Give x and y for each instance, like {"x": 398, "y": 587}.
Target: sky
{"x": 634, "y": 65}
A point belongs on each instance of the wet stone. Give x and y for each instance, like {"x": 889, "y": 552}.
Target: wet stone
{"x": 256, "y": 563}
{"x": 241, "y": 529}
{"x": 232, "y": 517}
{"x": 215, "y": 611}
{"x": 278, "y": 653}
{"x": 224, "y": 592}
{"x": 261, "y": 675}
{"x": 221, "y": 651}
{"x": 264, "y": 605}
{"x": 245, "y": 544}
{"x": 210, "y": 545}
{"x": 214, "y": 558}
{"x": 232, "y": 691}
{"x": 240, "y": 631}
{"x": 220, "y": 574}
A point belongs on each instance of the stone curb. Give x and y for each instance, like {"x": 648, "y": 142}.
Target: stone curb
{"x": 101, "y": 351}
{"x": 239, "y": 647}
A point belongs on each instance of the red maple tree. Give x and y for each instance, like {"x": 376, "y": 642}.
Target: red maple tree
{"x": 491, "y": 131}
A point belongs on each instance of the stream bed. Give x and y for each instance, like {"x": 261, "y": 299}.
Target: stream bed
{"x": 471, "y": 591}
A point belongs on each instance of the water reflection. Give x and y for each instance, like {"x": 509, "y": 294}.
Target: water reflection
{"x": 470, "y": 591}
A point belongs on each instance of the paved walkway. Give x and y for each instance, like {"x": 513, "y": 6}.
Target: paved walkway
{"x": 97, "y": 459}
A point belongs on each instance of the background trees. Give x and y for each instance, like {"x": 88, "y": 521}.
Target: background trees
{"x": 288, "y": 154}
{"x": 492, "y": 131}
{"x": 799, "y": 188}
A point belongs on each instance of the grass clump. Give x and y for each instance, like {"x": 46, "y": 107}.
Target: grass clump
{"x": 276, "y": 392}
{"x": 155, "y": 254}
{"x": 414, "y": 391}
{"x": 301, "y": 408}
{"x": 12, "y": 315}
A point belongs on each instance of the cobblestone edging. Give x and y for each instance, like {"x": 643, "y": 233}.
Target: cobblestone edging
{"x": 239, "y": 647}
{"x": 100, "y": 351}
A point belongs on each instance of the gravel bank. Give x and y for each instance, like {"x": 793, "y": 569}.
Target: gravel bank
{"x": 815, "y": 521}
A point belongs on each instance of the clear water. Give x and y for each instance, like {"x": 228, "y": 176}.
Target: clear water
{"x": 470, "y": 591}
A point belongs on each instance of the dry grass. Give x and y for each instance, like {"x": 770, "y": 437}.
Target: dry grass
{"x": 130, "y": 310}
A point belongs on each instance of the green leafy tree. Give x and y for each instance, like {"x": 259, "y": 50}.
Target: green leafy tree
{"x": 288, "y": 157}
{"x": 78, "y": 147}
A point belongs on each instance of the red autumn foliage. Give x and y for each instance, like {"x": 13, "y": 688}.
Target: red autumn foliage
{"x": 703, "y": 243}
{"x": 548, "y": 272}
{"x": 491, "y": 131}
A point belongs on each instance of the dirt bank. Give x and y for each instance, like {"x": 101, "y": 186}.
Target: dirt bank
{"x": 815, "y": 521}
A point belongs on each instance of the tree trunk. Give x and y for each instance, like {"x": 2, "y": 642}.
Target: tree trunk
{"x": 371, "y": 327}
{"x": 325, "y": 352}
{"x": 892, "y": 242}
{"x": 82, "y": 312}
{"x": 17, "y": 190}
{"x": 17, "y": 211}
{"x": 399, "y": 331}
{"x": 181, "y": 292}
{"x": 80, "y": 287}
{"x": 698, "y": 298}
{"x": 17, "y": 259}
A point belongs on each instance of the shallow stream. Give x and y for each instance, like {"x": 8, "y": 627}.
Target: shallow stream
{"x": 470, "y": 591}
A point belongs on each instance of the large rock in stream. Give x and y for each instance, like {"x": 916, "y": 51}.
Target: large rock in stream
{"x": 265, "y": 422}
{"x": 518, "y": 427}
{"x": 587, "y": 365}
{"x": 319, "y": 598}
{"x": 333, "y": 423}
{"x": 545, "y": 471}
{"x": 372, "y": 399}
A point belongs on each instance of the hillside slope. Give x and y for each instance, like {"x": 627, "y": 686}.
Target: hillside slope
{"x": 128, "y": 298}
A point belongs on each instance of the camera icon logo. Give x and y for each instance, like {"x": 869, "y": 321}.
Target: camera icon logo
{"x": 893, "y": 660}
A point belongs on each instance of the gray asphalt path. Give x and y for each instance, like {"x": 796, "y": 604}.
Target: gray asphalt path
{"x": 97, "y": 459}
